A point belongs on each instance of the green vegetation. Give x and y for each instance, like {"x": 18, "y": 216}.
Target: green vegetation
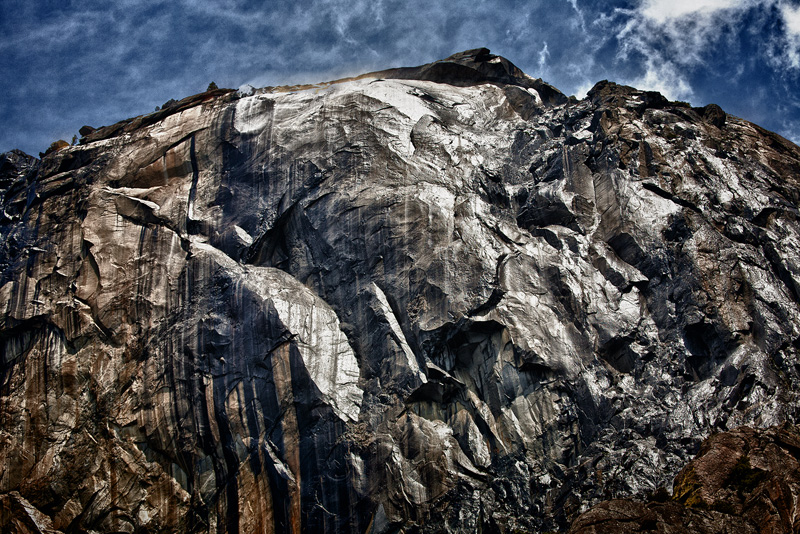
{"x": 687, "y": 490}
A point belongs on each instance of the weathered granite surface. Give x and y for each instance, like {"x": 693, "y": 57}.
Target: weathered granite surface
{"x": 439, "y": 299}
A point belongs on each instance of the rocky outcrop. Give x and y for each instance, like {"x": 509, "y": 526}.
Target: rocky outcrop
{"x": 746, "y": 480}
{"x": 437, "y": 299}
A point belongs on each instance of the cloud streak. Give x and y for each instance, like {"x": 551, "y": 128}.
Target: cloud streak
{"x": 664, "y": 11}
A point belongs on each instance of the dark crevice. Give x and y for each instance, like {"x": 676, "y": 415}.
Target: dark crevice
{"x": 494, "y": 299}
{"x": 669, "y": 196}
{"x": 503, "y": 237}
{"x": 780, "y": 270}
{"x": 271, "y": 248}
{"x": 618, "y": 354}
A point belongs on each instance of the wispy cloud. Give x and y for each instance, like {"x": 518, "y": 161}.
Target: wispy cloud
{"x": 670, "y": 40}
{"x": 663, "y": 11}
{"x": 791, "y": 46}
{"x": 692, "y": 26}
{"x": 579, "y": 20}
{"x": 666, "y": 78}
{"x": 69, "y": 63}
{"x": 544, "y": 55}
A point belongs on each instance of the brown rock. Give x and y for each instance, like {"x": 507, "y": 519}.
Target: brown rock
{"x": 746, "y": 480}
{"x": 714, "y": 114}
{"x": 55, "y": 146}
{"x": 625, "y": 516}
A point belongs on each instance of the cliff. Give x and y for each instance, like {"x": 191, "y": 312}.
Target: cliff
{"x": 436, "y": 299}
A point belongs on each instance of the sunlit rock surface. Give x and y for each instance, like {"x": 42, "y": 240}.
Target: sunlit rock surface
{"x": 437, "y": 299}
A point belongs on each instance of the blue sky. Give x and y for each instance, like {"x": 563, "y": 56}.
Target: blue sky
{"x": 66, "y": 63}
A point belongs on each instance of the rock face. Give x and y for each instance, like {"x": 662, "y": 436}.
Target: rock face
{"x": 439, "y": 299}
{"x": 744, "y": 481}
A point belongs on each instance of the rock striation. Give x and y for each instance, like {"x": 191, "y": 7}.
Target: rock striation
{"x": 435, "y": 299}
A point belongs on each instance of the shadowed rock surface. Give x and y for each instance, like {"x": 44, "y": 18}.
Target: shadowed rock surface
{"x": 439, "y": 299}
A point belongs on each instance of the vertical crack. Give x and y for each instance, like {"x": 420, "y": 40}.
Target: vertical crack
{"x": 192, "y": 225}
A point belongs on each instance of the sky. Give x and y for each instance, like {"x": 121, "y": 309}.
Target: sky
{"x": 66, "y": 63}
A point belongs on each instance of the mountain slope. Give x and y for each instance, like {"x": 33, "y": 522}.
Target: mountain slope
{"x": 444, "y": 298}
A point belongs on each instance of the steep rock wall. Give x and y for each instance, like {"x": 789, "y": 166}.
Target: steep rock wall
{"x": 438, "y": 299}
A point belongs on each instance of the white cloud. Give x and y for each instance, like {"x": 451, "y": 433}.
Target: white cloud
{"x": 790, "y": 50}
{"x": 544, "y": 54}
{"x": 791, "y": 20}
{"x": 685, "y": 31}
{"x": 583, "y": 89}
{"x": 671, "y": 38}
{"x": 666, "y": 78}
{"x": 667, "y": 10}
{"x": 581, "y": 20}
